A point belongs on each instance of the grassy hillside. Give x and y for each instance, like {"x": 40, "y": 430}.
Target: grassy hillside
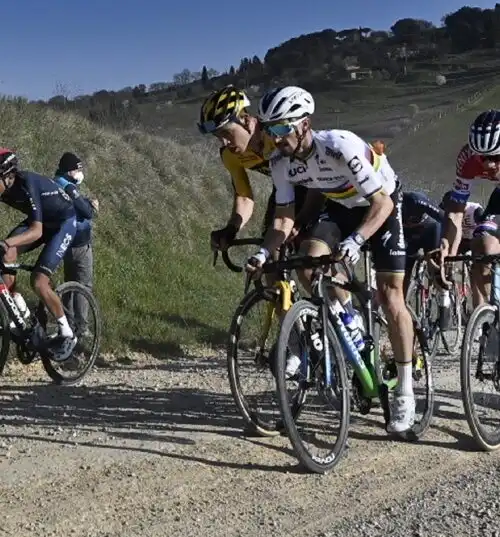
{"x": 159, "y": 200}
{"x": 154, "y": 277}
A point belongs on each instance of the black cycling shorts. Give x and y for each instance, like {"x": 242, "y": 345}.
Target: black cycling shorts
{"x": 387, "y": 243}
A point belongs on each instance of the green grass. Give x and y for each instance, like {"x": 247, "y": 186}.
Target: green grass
{"x": 159, "y": 200}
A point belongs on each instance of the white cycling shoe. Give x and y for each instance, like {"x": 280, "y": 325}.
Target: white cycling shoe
{"x": 402, "y": 414}
{"x": 62, "y": 347}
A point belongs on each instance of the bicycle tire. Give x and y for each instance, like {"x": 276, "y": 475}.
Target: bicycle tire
{"x": 289, "y": 414}
{"x": 452, "y": 344}
{"x": 48, "y": 364}
{"x": 253, "y": 421}
{"x": 485, "y": 441}
{"x": 4, "y": 337}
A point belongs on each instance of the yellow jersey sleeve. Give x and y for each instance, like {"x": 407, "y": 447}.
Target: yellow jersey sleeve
{"x": 239, "y": 175}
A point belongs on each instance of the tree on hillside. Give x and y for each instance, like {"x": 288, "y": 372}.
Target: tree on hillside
{"x": 410, "y": 31}
{"x": 466, "y": 27}
{"x": 159, "y": 86}
{"x": 204, "y": 77}
{"x": 139, "y": 91}
{"x": 184, "y": 77}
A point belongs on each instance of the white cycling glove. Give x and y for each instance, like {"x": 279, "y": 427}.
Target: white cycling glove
{"x": 261, "y": 257}
{"x": 351, "y": 247}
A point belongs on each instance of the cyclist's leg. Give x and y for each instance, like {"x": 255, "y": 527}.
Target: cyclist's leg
{"x": 56, "y": 244}
{"x": 413, "y": 245}
{"x": 389, "y": 259}
{"x": 12, "y": 254}
{"x": 485, "y": 242}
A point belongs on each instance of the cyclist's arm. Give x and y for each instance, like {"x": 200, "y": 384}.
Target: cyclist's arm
{"x": 428, "y": 207}
{"x": 454, "y": 214}
{"x": 243, "y": 203}
{"x": 82, "y": 205}
{"x": 369, "y": 185}
{"x": 242, "y": 212}
{"x": 35, "y": 228}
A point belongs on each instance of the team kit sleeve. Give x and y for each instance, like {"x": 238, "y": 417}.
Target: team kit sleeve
{"x": 239, "y": 176}
{"x": 34, "y": 199}
{"x": 430, "y": 208}
{"x": 365, "y": 178}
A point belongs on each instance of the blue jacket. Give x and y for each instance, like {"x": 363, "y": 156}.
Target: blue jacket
{"x": 84, "y": 212}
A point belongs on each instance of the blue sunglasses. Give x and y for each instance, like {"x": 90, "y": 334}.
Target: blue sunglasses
{"x": 279, "y": 129}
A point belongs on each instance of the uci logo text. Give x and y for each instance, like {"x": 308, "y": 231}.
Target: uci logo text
{"x": 298, "y": 169}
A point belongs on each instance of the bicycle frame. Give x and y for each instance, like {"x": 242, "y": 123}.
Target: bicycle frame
{"x": 365, "y": 363}
{"x": 6, "y": 296}
{"x": 10, "y": 305}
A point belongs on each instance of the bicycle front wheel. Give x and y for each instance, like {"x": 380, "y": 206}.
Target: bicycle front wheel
{"x": 315, "y": 409}
{"x": 250, "y": 361}
{"x": 480, "y": 373}
{"x": 82, "y": 312}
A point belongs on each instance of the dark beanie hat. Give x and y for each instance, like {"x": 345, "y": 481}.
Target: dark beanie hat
{"x": 68, "y": 163}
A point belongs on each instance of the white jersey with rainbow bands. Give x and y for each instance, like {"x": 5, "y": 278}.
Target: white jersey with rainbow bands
{"x": 342, "y": 166}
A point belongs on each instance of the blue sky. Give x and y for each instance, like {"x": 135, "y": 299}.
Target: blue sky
{"x": 87, "y": 45}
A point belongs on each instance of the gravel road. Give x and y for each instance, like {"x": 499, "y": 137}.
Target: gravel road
{"x": 153, "y": 447}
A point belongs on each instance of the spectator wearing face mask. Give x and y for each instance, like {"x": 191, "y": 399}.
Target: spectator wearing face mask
{"x": 78, "y": 261}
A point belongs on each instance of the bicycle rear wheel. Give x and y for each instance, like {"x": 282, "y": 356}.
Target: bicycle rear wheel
{"x": 250, "y": 358}
{"x": 315, "y": 416}
{"x": 82, "y": 312}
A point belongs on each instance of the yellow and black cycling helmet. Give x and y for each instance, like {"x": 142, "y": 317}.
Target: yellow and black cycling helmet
{"x": 221, "y": 107}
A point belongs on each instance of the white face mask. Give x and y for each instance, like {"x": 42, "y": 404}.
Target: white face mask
{"x": 78, "y": 177}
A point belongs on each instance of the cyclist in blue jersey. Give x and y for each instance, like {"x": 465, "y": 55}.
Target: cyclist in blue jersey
{"x": 422, "y": 220}
{"x": 51, "y": 222}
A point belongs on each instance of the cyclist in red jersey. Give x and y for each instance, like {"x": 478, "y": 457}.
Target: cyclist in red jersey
{"x": 478, "y": 160}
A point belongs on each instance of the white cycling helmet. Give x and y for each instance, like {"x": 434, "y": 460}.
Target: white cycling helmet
{"x": 484, "y": 133}
{"x": 287, "y": 103}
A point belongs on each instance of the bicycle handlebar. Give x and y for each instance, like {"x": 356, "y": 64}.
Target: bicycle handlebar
{"x": 256, "y": 241}
{"x": 299, "y": 262}
{"x": 491, "y": 258}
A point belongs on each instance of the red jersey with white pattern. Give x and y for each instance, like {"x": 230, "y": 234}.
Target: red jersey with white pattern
{"x": 470, "y": 169}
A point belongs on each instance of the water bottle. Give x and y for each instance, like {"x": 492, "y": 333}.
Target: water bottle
{"x": 351, "y": 325}
{"x": 444, "y": 298}
{"x": 444, "y": 309}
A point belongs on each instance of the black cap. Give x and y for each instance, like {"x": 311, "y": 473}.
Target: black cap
{"x": 68, "y": 163}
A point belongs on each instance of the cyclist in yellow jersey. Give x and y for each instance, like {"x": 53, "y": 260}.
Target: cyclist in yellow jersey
{"x": 244, "y": 147}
